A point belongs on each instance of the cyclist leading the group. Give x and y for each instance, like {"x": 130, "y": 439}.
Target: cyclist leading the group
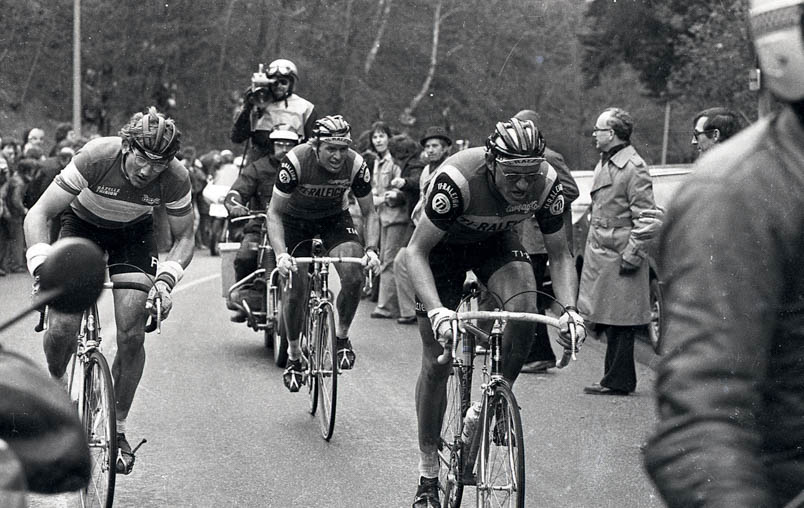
{"x": 471, "y": 206}
{"x": 107, "y": 194}
{"x": 308, "y": 201}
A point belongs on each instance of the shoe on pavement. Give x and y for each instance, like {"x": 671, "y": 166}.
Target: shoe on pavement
{"x": 295, "y": 374}
{"x": 125, "y": 457}
{"x": 427, "y": 494}
{"x": 539, "y": 366}
{"x": 381, "y": 314}
{"x": 597, "y": 389}
{"x": 346, "y": 356}
{"x": 407, "y": 320}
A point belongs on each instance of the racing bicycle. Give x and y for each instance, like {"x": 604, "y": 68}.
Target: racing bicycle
{"x": 485, "y": 450}
{"x": 90, "y": 386}
{"x": 318, "y": 341}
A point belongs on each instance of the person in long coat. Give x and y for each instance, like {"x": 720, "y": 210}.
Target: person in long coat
{"x": 614, "y": 288}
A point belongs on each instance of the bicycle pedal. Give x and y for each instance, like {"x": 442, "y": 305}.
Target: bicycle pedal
{"x": 138, "y": 446}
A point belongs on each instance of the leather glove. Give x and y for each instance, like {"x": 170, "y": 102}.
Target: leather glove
{"x": 441, "y": 322}
{"x": 627, "y": 268}
{"x": 393, "y": 198}
{"x": 285, "y": 264}
{"x": 162, "y": 289}
{"x": 372, "y": 261}
{"x": 238, "y": 211}
{"x": 248, "y": 95}
{"x": 564, "y": 338}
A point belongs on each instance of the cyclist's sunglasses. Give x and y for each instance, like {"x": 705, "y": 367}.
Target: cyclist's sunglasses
{"x": 513, "y": 177}
{"x": 142, "y": 158}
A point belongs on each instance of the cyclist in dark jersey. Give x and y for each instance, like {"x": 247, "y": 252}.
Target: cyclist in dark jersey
{"x": 308, "y": 201}
{"x": 471, "y": 206}
{"x": 107, "y": 194}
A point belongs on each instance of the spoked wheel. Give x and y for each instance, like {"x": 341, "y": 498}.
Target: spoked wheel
{"x": 501, "y": 463}
{"x": 449, "y": 445}
{"x": 309, "y": 350}
{"x": 275, "y": 337}
{"x": 654, "y": 328}
{"x": 327, "y": 371}
{"x": 98, "y": 417}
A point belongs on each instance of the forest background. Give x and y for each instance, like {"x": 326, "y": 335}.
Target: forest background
{"x": 462, "y": 64}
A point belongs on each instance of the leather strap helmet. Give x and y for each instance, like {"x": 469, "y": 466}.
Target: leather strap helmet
{"x": 333, "y": 129}
{"x": 516, "y": 140}
{"x": 154, "y": 135}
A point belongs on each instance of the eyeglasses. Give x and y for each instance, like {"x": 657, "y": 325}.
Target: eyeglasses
{"x": 513, "y": 177}
{"x": 697, "y": 134}
{"x": 597, "y": 129}
{"x": 141, "y": 161}
{"x": 282, "y": 81}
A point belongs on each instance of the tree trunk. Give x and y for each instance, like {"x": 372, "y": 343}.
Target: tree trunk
{"x": 212, "y": 92}
{"x": 385, "y": 10}
{"x": 340, "y": 98}
{"x": 407, "y": 118}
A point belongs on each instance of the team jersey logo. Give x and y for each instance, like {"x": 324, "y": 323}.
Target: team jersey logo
{"x": 440, "y": 203}
{"x": 366, "y": 174}
{"x": 557, "y": 206}
{"x": 284, "y": 176}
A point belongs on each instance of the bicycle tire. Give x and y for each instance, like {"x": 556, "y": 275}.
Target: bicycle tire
{"x": 450, "y": 447}
{"x": 501, "y": 461}
{"x": 327, "y": 372}
{"x": 275, "y": 337}
{"x": 308, "y": 348}
{"x": 99, "y": 420}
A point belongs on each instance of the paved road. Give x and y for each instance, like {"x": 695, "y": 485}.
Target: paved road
{"x": 223, "y": 431}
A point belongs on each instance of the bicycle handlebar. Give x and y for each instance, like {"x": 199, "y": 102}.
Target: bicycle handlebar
{"x": 327, "y": 260}
{"x": 504, "y": 315}
{"x": 252, "y": 215}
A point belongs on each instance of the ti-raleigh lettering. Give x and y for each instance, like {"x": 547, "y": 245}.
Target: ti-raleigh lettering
{"x": 450, "y": 191}
{"x": 491, "y": 225}
{"x": 321, "y": 191}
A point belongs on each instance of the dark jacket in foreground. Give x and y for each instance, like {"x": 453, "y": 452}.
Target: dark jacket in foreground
{"x": 731, "y": 384}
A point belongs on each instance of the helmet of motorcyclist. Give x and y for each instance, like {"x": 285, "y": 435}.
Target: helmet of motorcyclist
{"x": 282, "y": 68}
{"x": 153, "y": 134}
{"x": 284, "y": 132}
{"x": 777, "y": 27}
{"x": 332, "y": 129}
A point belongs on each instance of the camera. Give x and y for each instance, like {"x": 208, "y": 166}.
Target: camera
{"x": 260, "y": 80}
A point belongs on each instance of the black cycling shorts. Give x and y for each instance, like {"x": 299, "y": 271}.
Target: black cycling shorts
{"x": 333, "y": 231}
{"x": 449, "y": 263}
{"x": 134, "y": 244}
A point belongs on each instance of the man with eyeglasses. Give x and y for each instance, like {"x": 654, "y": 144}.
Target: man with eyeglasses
{"x": 269, "y": 101}
{"x": 107, "y": 193}
{"x": 471, "y": 206}
{"x": 712, "y": 126}
{"x": 614, "y": 287}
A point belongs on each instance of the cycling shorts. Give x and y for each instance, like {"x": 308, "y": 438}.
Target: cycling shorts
{"x": 449, "y": 263}
{"x": 134, "y": 244}
{"x": 333, "y": 231}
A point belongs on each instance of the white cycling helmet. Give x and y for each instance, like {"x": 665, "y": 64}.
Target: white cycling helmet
{"x": 283, "y": 132}
{"x": 777, "y": 30}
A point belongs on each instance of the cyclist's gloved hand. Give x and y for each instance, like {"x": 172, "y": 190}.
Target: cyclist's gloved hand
{"x": 564, "y": 338}
{"x": 285, "y": 264}
{"x": 371, "y": 260}
{"x": 441, "y": 321}
{"x": 162, "y": 289}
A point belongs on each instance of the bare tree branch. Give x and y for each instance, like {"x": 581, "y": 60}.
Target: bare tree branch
{"x": 375, "y": 47}
{"x": 406, "y": 117}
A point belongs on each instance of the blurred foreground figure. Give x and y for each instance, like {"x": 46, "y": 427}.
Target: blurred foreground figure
{"x": 731, "y": 386}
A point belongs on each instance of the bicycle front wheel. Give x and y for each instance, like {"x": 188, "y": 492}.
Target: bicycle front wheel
{"x": 450, "y": 446}
{"x": 327, "y": 370}
{"x": 501, "y": 463}
{"x": 99, "y": 422}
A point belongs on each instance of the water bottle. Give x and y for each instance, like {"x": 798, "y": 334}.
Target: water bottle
{"x": 470, "y": 422}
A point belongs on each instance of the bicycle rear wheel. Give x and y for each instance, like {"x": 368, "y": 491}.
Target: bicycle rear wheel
{"x": 275, "y": 336}
{"x": 99, "y": 422}
{"x": 450, "y": 447}
{"x": 327, "y": 371}
{"x": 501, "y": 463}
{"x": 309, "y": 348}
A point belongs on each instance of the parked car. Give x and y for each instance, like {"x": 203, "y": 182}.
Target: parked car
{"x": 666, "y": 180}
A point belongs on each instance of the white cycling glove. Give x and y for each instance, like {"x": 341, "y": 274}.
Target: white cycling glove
{"x": 440, "y": 320}
{"x": 285, "y": 264}
{"x": 564, "y": 338}
{"x": 372, "y": 261}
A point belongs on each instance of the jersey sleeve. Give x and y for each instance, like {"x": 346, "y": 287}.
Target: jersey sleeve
{"x": 287, "y": 178}
{"x": 71, "y": 178}
{"x": 550, "y": 215}
{"x": 177, "y": 190}
{"x": 361, "y": 182}
{"x": 444, "y": 202}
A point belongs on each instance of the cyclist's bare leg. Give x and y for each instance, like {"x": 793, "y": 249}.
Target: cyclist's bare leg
{"x": 510, "y": 279}
{"x": 294, "y": 301}
{"x": 129, "y": 362}
{"x": 351, "y": 281}
{"x": 431, "y": 390}
{"x": 59, "y": 340}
